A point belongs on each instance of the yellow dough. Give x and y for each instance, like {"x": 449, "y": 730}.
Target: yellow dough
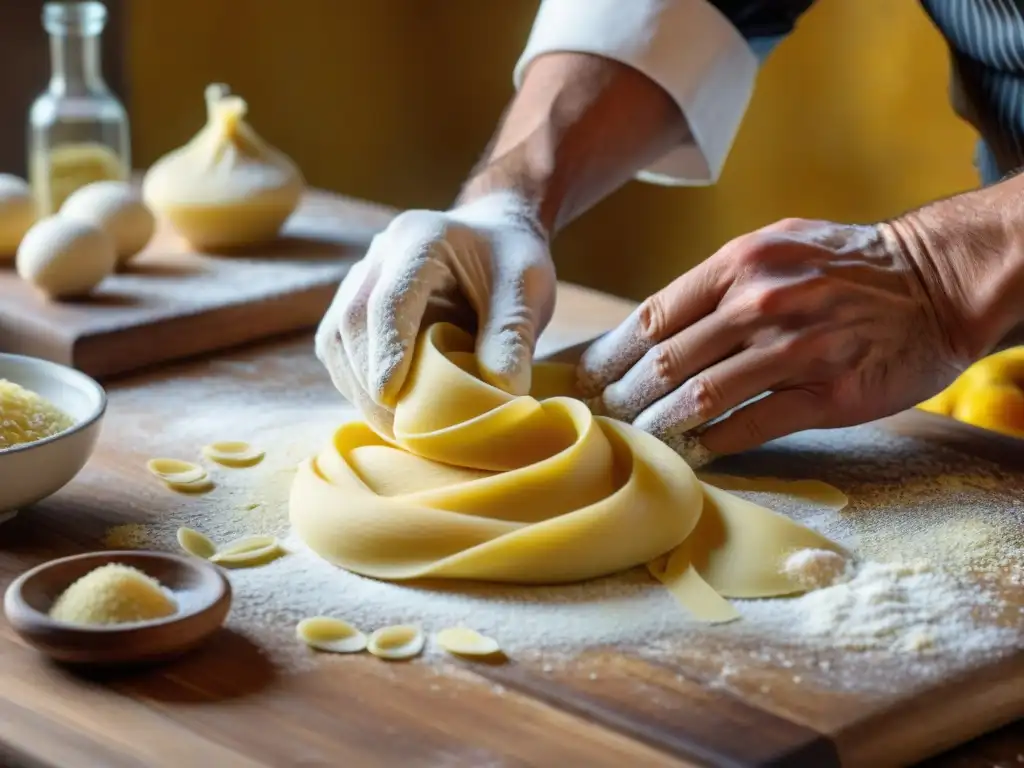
{"x": 324, "y": 633}
{"x": 479, "y": 484}
{"x": 196, "y": 543}
{"x": 401, "y": 641}
{"x": 181, "y": 476}
{"x": 226, "y": 187}
{"x": 810, "y": 491}
{"x": 233, "y": 453}
{"x": 461, "y": 641}
{"x": 248, "y": 552}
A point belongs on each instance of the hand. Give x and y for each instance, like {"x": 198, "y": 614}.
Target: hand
{"x": 840, "y": 324}
{"x": 484, "y": 266}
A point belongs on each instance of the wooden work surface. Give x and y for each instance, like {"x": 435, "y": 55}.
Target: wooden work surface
{"x": 173, "y": 303}
{"x": 228, "y": 705}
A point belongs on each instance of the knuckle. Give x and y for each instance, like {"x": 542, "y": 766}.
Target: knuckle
{"x": 665, "y": 362}
{"x": 706, "y": 397}
{"x": 768, "y": 300}
{"x": 652, "y": 318}
{"x": 752, "y": 252}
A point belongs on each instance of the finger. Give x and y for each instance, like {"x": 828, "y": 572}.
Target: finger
{"x": 353, "y": 330}
{"x": 780, "y": 414}
{"x": 414, "y": 268}
{"x": 520, "y": 305}
{"x": 673, "y": 361}
{"x": 346, "y": 382}
{"x": 683, "y": 302}
{"x": 342, "y": 317}
{"x": 717, "y": 390}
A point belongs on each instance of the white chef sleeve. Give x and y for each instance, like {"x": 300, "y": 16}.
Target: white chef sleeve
{"x": 686, "y": 46}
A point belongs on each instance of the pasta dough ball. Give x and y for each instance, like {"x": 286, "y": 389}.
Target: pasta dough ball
{"x": 65, "y": 258}
{"x": 116, "y": 208}
{"x": 227, "y": 187}
{"x": 18, "y": 213}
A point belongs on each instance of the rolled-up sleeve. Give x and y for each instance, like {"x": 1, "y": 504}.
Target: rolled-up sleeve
{"x": 686, "y": 46}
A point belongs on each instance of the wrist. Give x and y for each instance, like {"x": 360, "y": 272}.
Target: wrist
{"x": 968, "y": 253}
{"x": 580, "y": 127}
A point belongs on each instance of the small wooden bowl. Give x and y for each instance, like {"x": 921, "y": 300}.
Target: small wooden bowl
{"x": 202, "y": 590}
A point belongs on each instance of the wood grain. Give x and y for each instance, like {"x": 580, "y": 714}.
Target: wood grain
{"x": 173, "y": 303}
{"x": 227, "y": 704}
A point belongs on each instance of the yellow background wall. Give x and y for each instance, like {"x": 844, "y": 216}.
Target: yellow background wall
{"x": 394, "y": 100}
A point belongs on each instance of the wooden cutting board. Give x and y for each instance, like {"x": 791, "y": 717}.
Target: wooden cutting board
{"x": 228, "y": 705}
{"x": 175, "y": 303}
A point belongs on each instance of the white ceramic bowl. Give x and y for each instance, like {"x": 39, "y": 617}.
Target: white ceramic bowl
{"x": 33, "y": 471}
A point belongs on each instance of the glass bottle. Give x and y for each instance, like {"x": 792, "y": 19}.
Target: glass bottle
{"x": 78, "y": 129}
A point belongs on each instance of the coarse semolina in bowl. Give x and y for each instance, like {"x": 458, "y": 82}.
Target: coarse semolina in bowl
{"x": 57, "y": 447}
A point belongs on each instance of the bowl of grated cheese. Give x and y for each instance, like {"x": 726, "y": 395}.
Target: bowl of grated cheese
{"x": 50, "y": 419}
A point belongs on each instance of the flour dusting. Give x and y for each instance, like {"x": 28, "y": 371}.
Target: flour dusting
{"x": 938, "y": 537}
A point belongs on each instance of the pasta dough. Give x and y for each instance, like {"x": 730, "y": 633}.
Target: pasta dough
{"x": 233, "y": 453}
{"x": 248, "y": 552}
{"x": 195, "y": 543}
{"x": 401, "y": 641}
{"x": 467, "y": 642}
{"x": 226, "y": 187}
{"x": 182, "y": 476}
{"x": 331, "y": 635}
{"x": 479, "y": 484}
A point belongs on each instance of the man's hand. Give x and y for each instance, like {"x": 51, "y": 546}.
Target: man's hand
{"x": 840, "y": 324}
{"x": 580, "y": 127}
{"x": 484, "y": 266}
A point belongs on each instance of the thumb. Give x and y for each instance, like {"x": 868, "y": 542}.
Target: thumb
{"x": 520, "y": 306}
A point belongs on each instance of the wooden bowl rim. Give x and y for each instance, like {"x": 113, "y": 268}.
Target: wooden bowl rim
{"x": 207, "y": 571}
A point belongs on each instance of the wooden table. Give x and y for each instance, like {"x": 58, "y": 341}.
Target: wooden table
{"x": 225, "y": 705}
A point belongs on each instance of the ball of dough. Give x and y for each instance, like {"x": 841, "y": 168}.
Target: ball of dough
{"x": 64, "y": 257}
{"x": 116, "y": 208}
{"x": 18, "y": 212}
{"x": 226, "y": 188}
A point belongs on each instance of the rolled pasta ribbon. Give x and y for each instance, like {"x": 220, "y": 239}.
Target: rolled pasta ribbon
{"x": 483, "y": 485}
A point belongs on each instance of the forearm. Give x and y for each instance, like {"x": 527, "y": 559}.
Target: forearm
{"x": 969, "y": 253}
{"x": 580, "y": 127}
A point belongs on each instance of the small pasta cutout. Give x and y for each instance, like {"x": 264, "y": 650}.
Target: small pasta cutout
{"x": 248, "y": 552}
{"x": 462, "y": 641}
{"x": 324, "y": 633}
{"x": 233, "y": 453}
{"x": 195, "y": 543}
{"x": 179, "y": 475}
{"x": 401, "y": 641}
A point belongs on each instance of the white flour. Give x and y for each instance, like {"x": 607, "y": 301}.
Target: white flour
{"x": 908, "y": 502}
